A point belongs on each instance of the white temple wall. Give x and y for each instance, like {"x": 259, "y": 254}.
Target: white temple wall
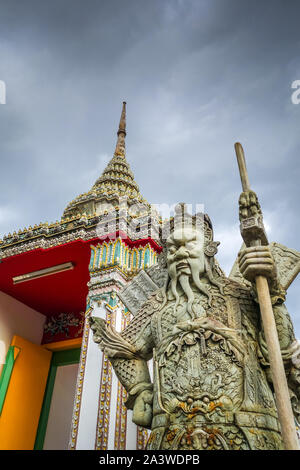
{"x": 17, "y": 318}
{"x": 113, "y": 412}
{"x": 60, "y": 414}
{"x": 114, "y": 391}
{"x": 131, "y": 430}
{"x": 86, "y": 434}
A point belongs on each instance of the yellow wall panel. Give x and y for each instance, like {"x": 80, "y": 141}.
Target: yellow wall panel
{"x": 64, "y": 345}
{"x": 21, "y": 411}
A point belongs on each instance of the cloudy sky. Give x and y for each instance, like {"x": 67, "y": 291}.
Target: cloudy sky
{"x": 197, "y": 75}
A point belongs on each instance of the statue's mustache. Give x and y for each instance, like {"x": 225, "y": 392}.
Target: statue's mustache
{"x": 197, "y": 270}
{"x": 192, "y": 263}
{"x": 175, "y": 265}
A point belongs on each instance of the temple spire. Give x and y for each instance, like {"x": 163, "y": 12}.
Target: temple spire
{"x": 120, "y": 147}
{"x": 117, "y": 180}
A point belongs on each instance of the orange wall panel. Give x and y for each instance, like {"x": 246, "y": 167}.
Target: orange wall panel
{"x": 21, "y": 411}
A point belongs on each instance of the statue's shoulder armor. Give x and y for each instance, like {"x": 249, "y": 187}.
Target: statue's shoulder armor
{"x": 244, "y": 295}
{"x": 249, "y": 308}
{"x": 238, "y": 290}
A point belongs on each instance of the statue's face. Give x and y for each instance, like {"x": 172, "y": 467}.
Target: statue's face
{"x": 185, "y": 253}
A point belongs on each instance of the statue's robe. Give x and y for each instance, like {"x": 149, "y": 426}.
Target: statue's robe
{"x": 212, "y": 385}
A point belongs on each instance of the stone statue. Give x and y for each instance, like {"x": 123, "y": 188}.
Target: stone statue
{"x": 211, "y": 387}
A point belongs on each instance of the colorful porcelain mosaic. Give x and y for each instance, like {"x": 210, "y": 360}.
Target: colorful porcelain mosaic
{"x": 117, "y": 253}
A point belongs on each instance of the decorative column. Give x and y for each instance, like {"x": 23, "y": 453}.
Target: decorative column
{"x": 100, "y": 418}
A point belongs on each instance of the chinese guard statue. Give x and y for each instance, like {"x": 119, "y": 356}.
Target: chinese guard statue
{"x": 211, "y": 387}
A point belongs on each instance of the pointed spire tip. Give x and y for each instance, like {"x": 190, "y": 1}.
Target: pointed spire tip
{"x": 120, "y": 147}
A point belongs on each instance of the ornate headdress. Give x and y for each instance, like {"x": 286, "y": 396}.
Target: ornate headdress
{"x": 199, "y": 221}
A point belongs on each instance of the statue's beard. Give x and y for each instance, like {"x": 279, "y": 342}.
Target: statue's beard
{"x": 184, "y": 280}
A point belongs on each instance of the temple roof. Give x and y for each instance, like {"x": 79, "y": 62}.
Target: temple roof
{"x": 87, "y": 212}
{"x": 117, "y": 180}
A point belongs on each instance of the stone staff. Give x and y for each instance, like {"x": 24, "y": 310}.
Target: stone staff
{"x": 253, "y": 233}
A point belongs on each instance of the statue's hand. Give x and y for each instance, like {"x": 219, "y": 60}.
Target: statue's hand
{"x": 142, "y": 409}
{"x": 255, "y": 261}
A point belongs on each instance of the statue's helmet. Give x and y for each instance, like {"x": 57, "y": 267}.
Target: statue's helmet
{"x": 200, "y": 222}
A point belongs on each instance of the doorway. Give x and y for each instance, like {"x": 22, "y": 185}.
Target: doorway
{"x": 56, "y": 416}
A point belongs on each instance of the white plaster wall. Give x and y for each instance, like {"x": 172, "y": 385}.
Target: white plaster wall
{"x": 113, "y": 412}
{"x": 90, "y": 392}
{"x": 131, "y": 434}
{"x": 61, "y": 408}
{"x": 17, "y": 318}
{"x": 114, "y": 391}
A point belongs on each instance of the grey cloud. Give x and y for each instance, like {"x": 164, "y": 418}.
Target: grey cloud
{"x": 197, "y": 76}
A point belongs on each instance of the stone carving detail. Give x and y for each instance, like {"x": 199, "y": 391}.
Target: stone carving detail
{"x": 212, "y": 387}
{"x": 251, "y": 219}
{"x": 287, "y": 263}
{"x": 158, "y": 275}
{"x": 137, "y": 292}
